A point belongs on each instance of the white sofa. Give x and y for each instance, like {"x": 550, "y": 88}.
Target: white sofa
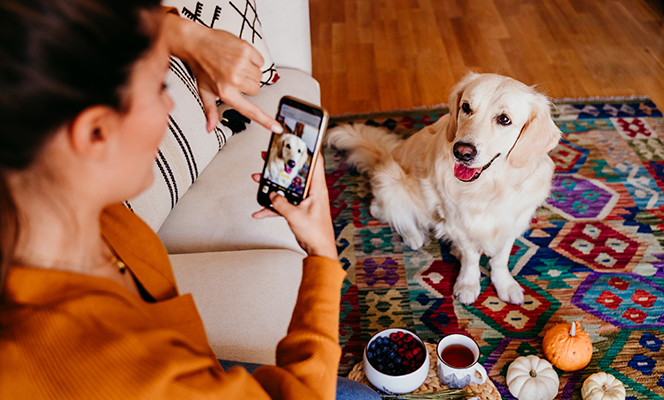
{"x": 243, "y": 273}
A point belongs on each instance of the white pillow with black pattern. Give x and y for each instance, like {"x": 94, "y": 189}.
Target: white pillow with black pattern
{"x": 238, "y": 17}
{"x": 186, "y": 149}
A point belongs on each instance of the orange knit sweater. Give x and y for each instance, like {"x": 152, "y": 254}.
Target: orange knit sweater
{"x": 72, "y": 336}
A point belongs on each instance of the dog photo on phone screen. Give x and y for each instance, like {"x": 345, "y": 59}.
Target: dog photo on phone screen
{"x": 290, "y": 157}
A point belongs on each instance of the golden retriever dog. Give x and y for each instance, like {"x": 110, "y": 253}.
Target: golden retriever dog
{"x": 287, "y": 156}
{"x": 475, "y": 177}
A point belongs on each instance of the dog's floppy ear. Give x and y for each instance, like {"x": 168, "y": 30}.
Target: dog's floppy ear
{"x": 454, "y": 103}
{"x": 280, "y": 146}
{"x": 538, "y": 136}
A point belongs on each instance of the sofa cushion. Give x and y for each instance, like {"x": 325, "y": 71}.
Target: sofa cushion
{"x": 239, "y": 17}
{"x": 215, "y": 213}
{"x": 186, "y": 149}
{"x": 245, "y": 298}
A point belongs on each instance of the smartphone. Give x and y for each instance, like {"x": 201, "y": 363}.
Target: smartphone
{"x": 291, "y": 155}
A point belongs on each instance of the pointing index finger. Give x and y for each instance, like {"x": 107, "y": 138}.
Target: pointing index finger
{"x": 251, "y": 111}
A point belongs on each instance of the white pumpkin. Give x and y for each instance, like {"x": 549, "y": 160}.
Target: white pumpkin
{"x": 602, "y": 386}
{"x": 532, "y": 378}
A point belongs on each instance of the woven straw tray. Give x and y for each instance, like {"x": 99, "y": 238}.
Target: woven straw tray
{"x": 485, "y": 391}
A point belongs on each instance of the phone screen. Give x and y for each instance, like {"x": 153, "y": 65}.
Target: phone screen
{"x": 292, "y": 153}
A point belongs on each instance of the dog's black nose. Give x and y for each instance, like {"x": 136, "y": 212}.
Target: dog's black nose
{"x": 464, "y": 151}
{"x": 291, "y": 163}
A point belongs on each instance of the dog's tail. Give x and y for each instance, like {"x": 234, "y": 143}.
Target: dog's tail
{"x": 365, "y": 145}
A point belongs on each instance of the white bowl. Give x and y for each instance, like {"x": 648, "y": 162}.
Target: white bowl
{"x": 401, "y": 383}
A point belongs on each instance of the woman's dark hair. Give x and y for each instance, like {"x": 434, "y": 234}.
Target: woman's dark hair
{"x": 57, "y": 58}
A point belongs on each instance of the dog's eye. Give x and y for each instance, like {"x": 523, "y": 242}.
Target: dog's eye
{"x": 288, "y": 146}
{"x": 466, "y": 108}
{"x": 504, "y": 120}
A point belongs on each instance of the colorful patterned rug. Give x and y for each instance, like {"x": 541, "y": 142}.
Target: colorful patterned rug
{"x": 594, "y": 254}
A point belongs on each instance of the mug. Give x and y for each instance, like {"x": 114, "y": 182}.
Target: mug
{"x": 457, "y": 361}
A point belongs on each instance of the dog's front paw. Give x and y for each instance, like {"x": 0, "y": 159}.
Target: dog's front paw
{"x": 414, "y": 240}
{"x": 467, "y": 291}
{"x": 509, "y": 290}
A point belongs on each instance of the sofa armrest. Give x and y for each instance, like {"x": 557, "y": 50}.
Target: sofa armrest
{"x": 286, "y": 31}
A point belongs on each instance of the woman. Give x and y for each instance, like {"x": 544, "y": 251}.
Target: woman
{"x": 89, "y": 306}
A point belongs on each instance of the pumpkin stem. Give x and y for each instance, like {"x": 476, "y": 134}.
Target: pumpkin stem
{"x": 533, "y": 373}
{"x": 572, "y": 331}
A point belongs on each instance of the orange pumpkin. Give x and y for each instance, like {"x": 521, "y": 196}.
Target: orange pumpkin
{"x": 568, "y": 347}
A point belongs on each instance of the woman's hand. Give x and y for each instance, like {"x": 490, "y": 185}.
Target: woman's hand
{"x": 311, "y": 221}
{"x": 224, "y": 65}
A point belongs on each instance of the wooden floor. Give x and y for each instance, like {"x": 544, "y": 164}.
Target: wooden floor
{"x": 380, "y": 55}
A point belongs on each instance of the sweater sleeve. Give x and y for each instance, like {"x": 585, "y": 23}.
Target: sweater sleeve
{"x": 308, "y": 357}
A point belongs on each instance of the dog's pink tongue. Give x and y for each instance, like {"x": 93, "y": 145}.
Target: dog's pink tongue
{"x": 464, "y": 173}
{"x": 288, "y": 169}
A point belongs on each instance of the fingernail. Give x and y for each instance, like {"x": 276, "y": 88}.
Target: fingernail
{"x": 277, "y": 128}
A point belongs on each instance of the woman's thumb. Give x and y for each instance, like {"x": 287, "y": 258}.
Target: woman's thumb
{"x": 280, "y": 204}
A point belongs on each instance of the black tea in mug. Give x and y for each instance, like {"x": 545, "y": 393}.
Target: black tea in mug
{"x": 457, "y": 356}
